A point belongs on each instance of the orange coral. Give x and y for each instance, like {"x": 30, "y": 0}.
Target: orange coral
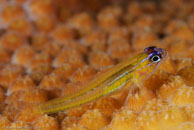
{"x": 119, "y": 48}
{"x": 176, "y": 46}
{"x": 30, "y": 95}
{"x": 52, "y": 48}
{"x": 72, "y": 57}
{"x": 183, "y": 32}
{"x": 45, "y": 23}
{"x": 2, "y": 95}
{"x": 34, "y": 96}
{"x": 187, "y": 73}
{"x": 144, "y": 38}
{"x": 136, "y": 101}
{"x": 15, "y": 96}
{"x": 82, "y": 22}
{"x": 78, "y": 111}
{"x": 101, "y": 46}
{"x": 155, "y": 105}
{"x": 40, "y": 58}
{"x": 109, "y": 18}
{"x": 171, "y": 117}
{"x": 12, "y": 41}
{"x": 77, "y": 45}
{"x": 76, "y": 127}
{"x": 168, "y": 118}
{"x": 60, "y": 116}
{"x": 94, "y": 119}
{"x": 5, "y": 56}
{"x": 182, "y": 96}
{"x": 119, "y": 33}
{"x": 71, "y": 88}
{"x": 100, "y": 59}
{"x": 4, "y": 122}
{"x": 134, "y": 9}
{"x": 184, "y": 62}
{"x": 156, "y": 80}
{"x": 3, "y": 2}
{"x": 22, "y": 25}
{"x": 46, "y": 123}
{"x": 39, "y": 41}
{"x": 191, "y": 21}
{"x": 64, "y": 71}
{"x": 185, "y": 126}
{"x": 23, "y": 56}
{"x": 59, "y": 45}
{"x": 172, "y": 25}
{"x": 38, "y": 71}
{"x": 69, "y": 122}
{"x": 95, "y": 37}
{"x": 9, "y": 74}
{"x": 27, "y": 114}
{"x": 63, "y": 33}
{"x": 11, "y": 11}
{"x": 189, "y": 53}
{"x": 12, "y": 109}
{"x": 1, "y": 66}
{"x": 20, "y": 125}
{"x": 168, "y": 66}
{"x": 124, "y": 119}
{"x": 43, "y": 7}
{"x": 83, "y": 74}
{"x": 148, "y": 120}
{"x": 21, "y": 83}
{"x": 189, "y": 110}
{"x": 146, "y": 21}
{"x": 19, "y": 1}
{"x": 107, "y": 105}
{"x": 167, "y": 89}
{"x": 51, "y": 82}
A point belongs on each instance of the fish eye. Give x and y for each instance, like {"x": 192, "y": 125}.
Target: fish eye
{"x": 155, "y": 58}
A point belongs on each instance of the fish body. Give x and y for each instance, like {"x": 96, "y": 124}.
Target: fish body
{"x": 132, "y": 70}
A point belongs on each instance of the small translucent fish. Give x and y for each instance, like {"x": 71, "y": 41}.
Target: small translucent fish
{"x": 132, "y": 70}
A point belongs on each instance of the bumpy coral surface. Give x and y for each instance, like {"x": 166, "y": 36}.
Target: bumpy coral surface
{"x": 52, "y": 48}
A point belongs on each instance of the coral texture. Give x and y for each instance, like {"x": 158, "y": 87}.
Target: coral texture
{"x": 52, "y": 48}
